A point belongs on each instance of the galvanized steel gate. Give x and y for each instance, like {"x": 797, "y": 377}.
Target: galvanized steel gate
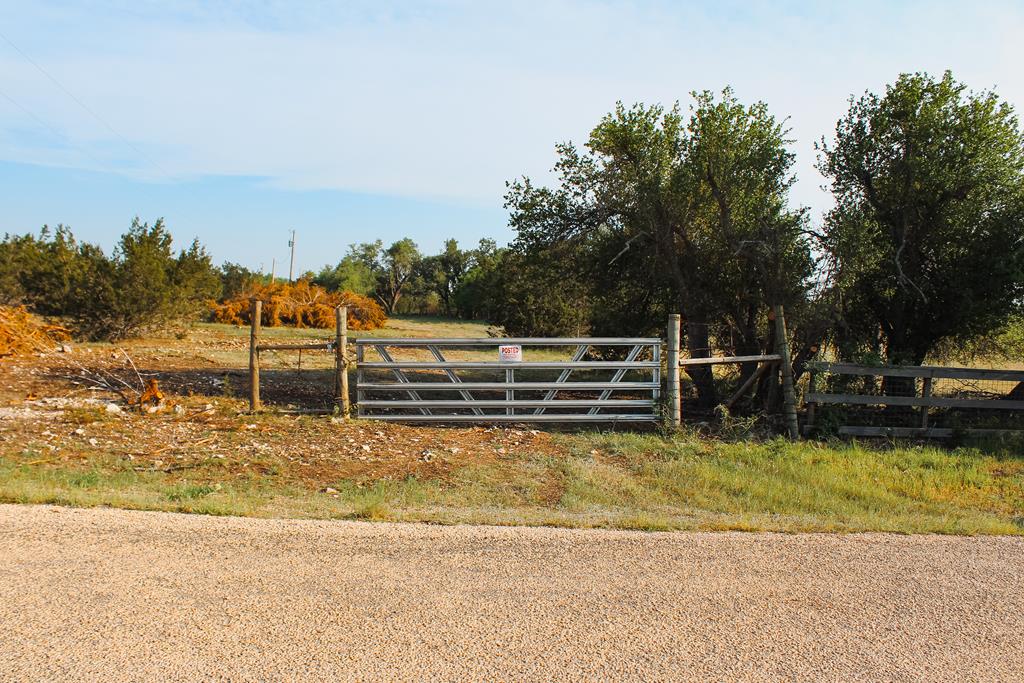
{"x": 623, "y": 385}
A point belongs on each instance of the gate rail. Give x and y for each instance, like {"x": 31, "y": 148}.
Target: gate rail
{"x": 541, "y": 395}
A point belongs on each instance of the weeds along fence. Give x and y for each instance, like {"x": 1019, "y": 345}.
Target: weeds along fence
{"x": 927, "y": 401}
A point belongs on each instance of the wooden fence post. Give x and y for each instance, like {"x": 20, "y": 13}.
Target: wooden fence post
{"x": 341, "y": 359}
{"x": 926, "y": 392}
{"x": 788, "y": 392}
{"x": 812, "y": 387}
{"x": 255, "y": 311}
{"x": 675, "y": 409}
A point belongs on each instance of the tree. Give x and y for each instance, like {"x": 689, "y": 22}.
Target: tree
{"x": 399, "y": 262}
{"x": 478, "y": 293}
{"x": 235, "y": 279}
{"x": 533, "y": 295}
{"x": 685, "y": 215}
{"x": 41, "y": 272}
{"x": 444, "y": 272}
{"x": 926, "y": 233}
{"x": 356, "y": 272}
{"x": 143, "y": 287}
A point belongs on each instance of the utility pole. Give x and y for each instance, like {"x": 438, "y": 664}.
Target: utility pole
{"x": 291, "y": 264}
{"x": 273, "y": 270}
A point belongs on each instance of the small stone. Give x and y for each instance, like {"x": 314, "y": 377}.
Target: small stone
{"x": 79, "y": 432}
{"x": 113, "y": 408}
{"x": 64, "y": 348}
{"x": 94, "y": 442}
{"x": 366, "y": 448}
{"x": 330, "y": 490}
{"x": 179, "y": 409}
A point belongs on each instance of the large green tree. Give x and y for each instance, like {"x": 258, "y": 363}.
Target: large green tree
{"x": 668, "y": 213}
{"x": 927, "y": 234}
{"x": 399, "y": 267}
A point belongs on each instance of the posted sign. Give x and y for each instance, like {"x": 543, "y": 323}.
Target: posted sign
{"x": 511, "y": 353}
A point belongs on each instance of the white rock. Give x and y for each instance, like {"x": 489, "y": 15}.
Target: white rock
{"x": 113, "y": 408}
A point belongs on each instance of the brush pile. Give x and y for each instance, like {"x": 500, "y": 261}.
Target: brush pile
{"x": 23, "y": 333}
{"x": 299, "y": 304}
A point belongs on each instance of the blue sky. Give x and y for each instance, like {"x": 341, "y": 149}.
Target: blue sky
{"x": 237, "y": 121}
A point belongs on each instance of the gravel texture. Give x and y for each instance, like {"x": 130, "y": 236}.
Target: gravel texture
{"x": 115, "y": 595}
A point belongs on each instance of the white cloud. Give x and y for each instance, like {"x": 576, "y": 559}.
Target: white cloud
{"x": 452, "y": 99}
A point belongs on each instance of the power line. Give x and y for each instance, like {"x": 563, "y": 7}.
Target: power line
{"x": 48, "y": 127}
{"x": 81, "y": 104}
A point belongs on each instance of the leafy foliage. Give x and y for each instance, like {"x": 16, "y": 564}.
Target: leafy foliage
{"x": 141, "y": 287}
{"x": 926, "y": 234}
{"x": 356, "y": 272}
{"x": 664, "y": 213}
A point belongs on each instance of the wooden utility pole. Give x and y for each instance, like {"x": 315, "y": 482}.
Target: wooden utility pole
{"x": 255, "y": 311}
{"x": 788, "y": 392}
{"x": 675, "y": 407}
{"x": 291, "y": 262}
{"x": 341, "y": 359}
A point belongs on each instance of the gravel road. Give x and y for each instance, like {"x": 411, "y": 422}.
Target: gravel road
{"x": 125, "y": 596}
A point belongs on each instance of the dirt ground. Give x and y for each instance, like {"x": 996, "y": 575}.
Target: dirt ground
{"x": 124, "y": 596}
{"x": 52, "y": 412}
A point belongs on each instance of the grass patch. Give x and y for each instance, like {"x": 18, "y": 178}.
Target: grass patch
{"x": 633, "y": 481}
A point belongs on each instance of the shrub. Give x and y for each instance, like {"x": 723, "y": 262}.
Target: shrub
{"x": 298, "y": 304}
{"x": 143, "y": 287}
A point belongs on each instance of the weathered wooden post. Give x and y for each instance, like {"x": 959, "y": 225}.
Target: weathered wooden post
{"x": 788, "y": 392}
{"x": 341, "y": 359}
{"x": 812, "y": 388}
{"x": 926, "y": 392}
{"x": 675, "y": 408}
{"x": 255, "y": 312}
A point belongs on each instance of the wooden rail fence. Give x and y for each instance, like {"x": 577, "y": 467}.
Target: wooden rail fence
{"x": 925, "y": 401}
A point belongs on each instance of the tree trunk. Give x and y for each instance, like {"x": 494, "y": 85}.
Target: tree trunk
{"x": 698, "y": 345}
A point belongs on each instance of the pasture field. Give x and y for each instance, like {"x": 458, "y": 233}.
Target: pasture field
{"x": 61, "y": 443}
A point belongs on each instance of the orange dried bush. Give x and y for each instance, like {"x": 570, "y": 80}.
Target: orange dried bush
{"x": 21, "y": 332}
{"x": 299, "y": 304}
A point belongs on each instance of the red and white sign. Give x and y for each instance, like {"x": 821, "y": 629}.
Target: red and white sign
{"x": 512, "y": 353}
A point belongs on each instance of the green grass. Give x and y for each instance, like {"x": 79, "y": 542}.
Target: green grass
{"x": 607, "y": 480}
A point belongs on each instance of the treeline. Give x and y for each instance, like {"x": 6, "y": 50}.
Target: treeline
{"x": 142, "y": 286}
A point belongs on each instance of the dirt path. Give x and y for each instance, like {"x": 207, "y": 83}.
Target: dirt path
{"x": 114, "y": 595}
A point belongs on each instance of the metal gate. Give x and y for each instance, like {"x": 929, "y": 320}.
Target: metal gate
{"x": 557, "y": 379}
